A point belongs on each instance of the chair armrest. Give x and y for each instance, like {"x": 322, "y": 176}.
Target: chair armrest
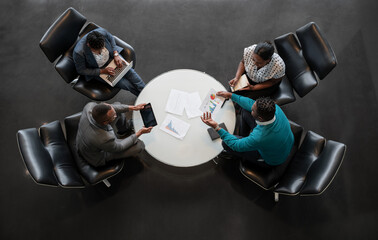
{"x": 284, "y": 93}
{"x": 128, "y": 52}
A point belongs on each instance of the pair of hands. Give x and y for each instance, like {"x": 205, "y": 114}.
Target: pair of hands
{"x": 233, "y": 82}
{"x": 109, "y": 70}
{"x": 143, "y": 130}
{"x": 206, "y": 118}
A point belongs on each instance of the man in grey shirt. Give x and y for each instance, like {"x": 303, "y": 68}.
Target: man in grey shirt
{"x": 96, "y": 140}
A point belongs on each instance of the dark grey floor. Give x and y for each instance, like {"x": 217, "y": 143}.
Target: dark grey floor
{"x": 151, "y": 201}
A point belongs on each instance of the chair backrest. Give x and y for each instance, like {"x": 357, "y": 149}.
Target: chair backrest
{"x": 62, "y": 34}
{"x": 47, "y": 157}
{"x": 298, "y": 72}
{"x": 316, "y": 49}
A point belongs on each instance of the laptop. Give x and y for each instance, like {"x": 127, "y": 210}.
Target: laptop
{"x": 119, "y": 72}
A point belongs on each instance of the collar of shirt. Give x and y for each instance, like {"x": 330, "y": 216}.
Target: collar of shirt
{"x": 266, "y": 122}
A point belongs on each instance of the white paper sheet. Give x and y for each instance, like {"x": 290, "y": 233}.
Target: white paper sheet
{"x": 176, "y": 102}
{"x": 193, "y": 104}
{"x": 175, "y": 126}
{"x": 212, "y": 103}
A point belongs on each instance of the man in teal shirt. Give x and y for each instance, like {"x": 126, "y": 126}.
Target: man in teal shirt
{"x": 271, "y": 138}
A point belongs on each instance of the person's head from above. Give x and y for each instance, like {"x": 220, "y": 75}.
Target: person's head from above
{"x": 263, "y": 53}
{"x": 263, "y": 109}
{"x": 95, "y": 40}
{"x": 104, "y": 114}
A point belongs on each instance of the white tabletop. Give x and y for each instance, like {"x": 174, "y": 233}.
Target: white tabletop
{"x": 197, "y": 147}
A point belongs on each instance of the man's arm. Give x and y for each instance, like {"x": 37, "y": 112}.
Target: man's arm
{"x": 80, "y": 64}
{"x": 238, "y": 144}
{"x": 244, "y": 102}
{"x": 117, "y": 145}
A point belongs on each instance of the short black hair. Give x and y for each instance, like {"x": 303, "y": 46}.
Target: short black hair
{"x": 96, "y": 40}
{"x": 266, "y": 108}
{"x": 99, "y": 112}
{"x": 264, "y": 49}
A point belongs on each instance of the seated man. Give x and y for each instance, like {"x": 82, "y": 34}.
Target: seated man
{"x": 94, "y": 51}
{"x": 96, "y": 140}
{"x": 271, "y": 139}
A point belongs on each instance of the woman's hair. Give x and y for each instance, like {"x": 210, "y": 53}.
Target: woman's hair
{"x": 95, "y": 40}
{"x": 99, "y": 112}
{"x": 266, "y": 108}
{"x": 264, "y": 49}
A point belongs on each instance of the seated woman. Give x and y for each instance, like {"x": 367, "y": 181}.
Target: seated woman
{"x": 92, "y": 54}
{"x": 263, "y": 68}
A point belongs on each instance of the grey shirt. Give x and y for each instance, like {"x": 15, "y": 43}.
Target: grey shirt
{"x": 96, "y": 143}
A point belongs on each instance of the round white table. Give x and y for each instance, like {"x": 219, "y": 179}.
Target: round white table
{"x": 197, "y": 147}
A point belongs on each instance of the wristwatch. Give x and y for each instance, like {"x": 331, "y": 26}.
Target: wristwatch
{"x": 116, "y": 54}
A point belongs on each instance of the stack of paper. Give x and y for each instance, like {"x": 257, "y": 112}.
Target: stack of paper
{"x": 179, "y": 100}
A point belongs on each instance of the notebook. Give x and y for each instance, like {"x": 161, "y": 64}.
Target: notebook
{"x": 119, "y": 72}
{"x": 214, "y": 134}
{"x": 241, "y": 83}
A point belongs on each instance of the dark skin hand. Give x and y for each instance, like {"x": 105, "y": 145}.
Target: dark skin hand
{"x": 143, "y": 130}
{"x": 206, "y": 118}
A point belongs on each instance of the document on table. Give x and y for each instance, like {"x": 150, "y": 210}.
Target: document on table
{"x": 212, "y": 103}
{"x": 193, "y": 104}
{"x": 175, "y": 126}
{"x": 180, "y": 100}
{"x": 176, "y": 102}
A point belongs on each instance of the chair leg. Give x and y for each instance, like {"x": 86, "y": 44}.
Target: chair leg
{"x": 107, "y": 183}
{"x": 276, "y": 197}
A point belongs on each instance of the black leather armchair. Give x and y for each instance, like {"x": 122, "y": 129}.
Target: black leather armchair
{"x": 59, "y": 42}
{"x": 51, "y": 161}
{"x": 267, "y": 179}
{"x": 307, "y": 171}
{"x": 91, "y": 174}
{"x": 312, "y": 53}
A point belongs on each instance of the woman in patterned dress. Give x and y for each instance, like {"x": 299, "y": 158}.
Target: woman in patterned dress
{"x": 264, "y": 70}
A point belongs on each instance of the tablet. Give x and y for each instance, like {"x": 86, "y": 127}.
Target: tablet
{"x": 148, "y": 116}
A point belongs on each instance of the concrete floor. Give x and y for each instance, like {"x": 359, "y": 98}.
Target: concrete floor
{"x": 153, "y": 201}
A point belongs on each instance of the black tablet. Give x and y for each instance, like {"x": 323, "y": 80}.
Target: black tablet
{"x": 148, "y": 116}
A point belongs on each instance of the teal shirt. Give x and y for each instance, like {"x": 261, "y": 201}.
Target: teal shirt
{"x": 273, "y": 141}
